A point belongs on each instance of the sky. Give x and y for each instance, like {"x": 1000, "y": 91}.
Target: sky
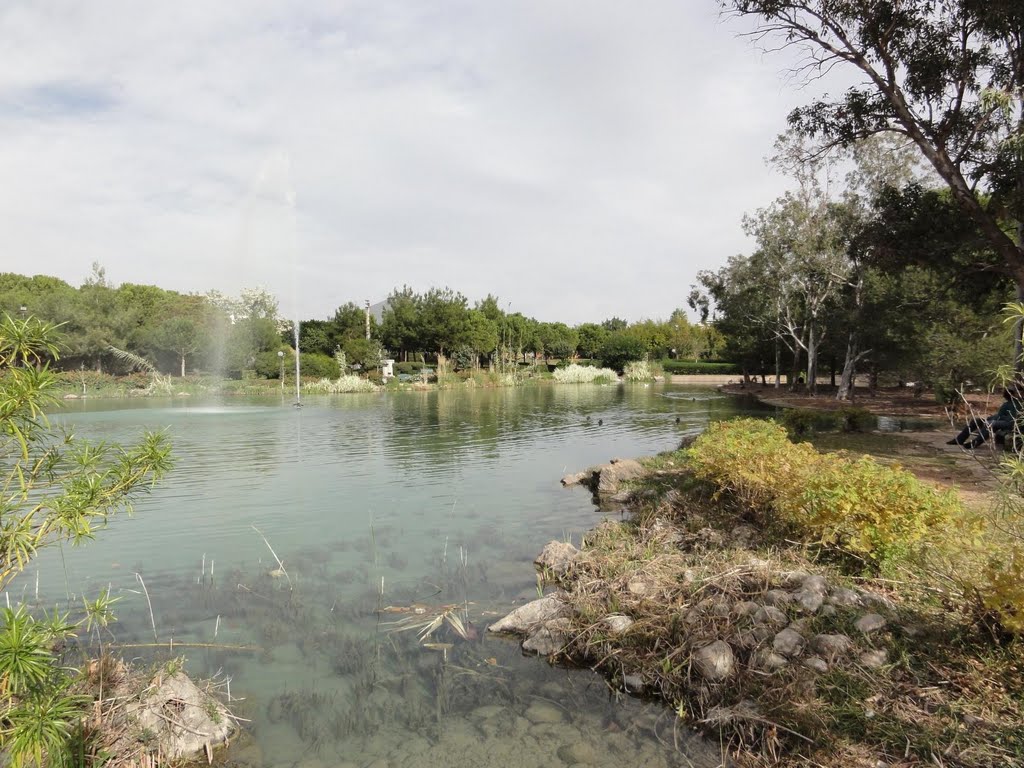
{"x": 580, "y": 160}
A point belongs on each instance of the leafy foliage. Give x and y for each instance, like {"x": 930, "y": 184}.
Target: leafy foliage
{"x": 873, "y": 512}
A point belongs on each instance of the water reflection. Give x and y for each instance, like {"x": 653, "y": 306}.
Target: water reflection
{"x": 432, "y": 498}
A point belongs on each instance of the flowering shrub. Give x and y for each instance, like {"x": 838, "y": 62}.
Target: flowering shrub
{"x": 638, "y": 370}
{"x": 342, "y": 384}
{"x": 580, "y": 374}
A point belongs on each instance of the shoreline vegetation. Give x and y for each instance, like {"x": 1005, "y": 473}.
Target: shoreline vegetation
{"x": 799, "y": 606}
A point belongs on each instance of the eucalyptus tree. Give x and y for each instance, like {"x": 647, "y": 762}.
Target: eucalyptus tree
{"x": 948, "y": 75}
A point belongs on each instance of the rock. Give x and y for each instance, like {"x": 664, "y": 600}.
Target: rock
{"x": 745, "y": 608}
{"x": 201, "y": 721}
{"x": 622, "y": 497}
{"x": 832, "y": 646}
{"x": 809, "y": 601}
{"x": 638, "y": 587}
{"x": 815, "y": 583}
{"x": 487, "y": 711}
{"x": 541, "y": 712}
{"x": 557, "y": 557}
{"x": 616, "y": 623}
{"x": 721, "y": 609}
{"x": 715, "y": 662}
{"x": 788, "y": 642}
{"x": 743, "y": 534}
{"x": 777, "y": 597}
{"x": 769, "y": 614}
{"x": 616, "y": 473}
{"x": 874, "y": 659}
{"x": 870, "y": 622}
{"x": 576, "y": 478}
{"x": 768, "y": 660}
{"x": 577, "y": 753}
{"x": 844, "y": 597}
{"x": 792, "y": 579}
{"x": 549, "y": 638}
{"x": 633, "y": 683}
{"x": 754, "y": 637}
{"x": 816, "y": 663}
{"x": 525, "y": 617}
{"x": 828, "y": 611}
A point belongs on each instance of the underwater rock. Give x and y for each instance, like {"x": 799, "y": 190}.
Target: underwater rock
{"x": 577, "y": 753}
{"x": 540, "y": 712}
{"x": 557, "y": 557}
{"x": 526, "y": 617}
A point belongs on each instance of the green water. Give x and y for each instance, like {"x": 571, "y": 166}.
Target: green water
{"x": 375, "y": 501}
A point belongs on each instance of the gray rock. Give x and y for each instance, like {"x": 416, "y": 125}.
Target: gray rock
{"x": 715, "y": 662}
{"x": 845, "y": 598}
{"x": 633, "y": 683}
{"x": 809, "y": 600}
{"x": 777, "y": 597}
{"x": 549, "y": 638}
{"x": 526, "y": 617}
{"x": 754, "y": 636}
{"x": 769, "y": 614}
{"x": 828, "y": 611}
{"x": 541, "y": 712}
{"x": 622, "y": 497}
{"x": 815, "y": 583}
{"x": 816, "y": 663}
{"x": 768, "y": 661}
{"x": 200, "y": 720}
{"x": 792, "y": 579}
{"x": 557, "y": 557}
{"x": 874, "y": 659}
{"x": 870, "y": 622}
{"x": 616, "y": 623}
{"x": 788, "y": 642}
{"x": 616, "y": 473}
{"x": 721, "y": 608}
{"x": 745, "y": 608}
{"x": 832, "y": 646}
{"x": 638, "y": 587}
{"x": 743, "y": 534}
{"x": 577, "y": 753}
{"x": 576, "y": 478}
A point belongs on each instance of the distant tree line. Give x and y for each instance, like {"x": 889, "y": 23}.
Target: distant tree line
{"x": 212, "y": 332}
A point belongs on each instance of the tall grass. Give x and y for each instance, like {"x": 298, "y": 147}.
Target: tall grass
{"x": 341, "y": 385}
{"x": 580, "y": 374}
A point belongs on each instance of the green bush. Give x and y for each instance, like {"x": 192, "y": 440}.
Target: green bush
{"x": 874, "y": 512}
{"x": 701, "y": 367}
{"x": 619, "y": 349}
{"x": 320, "y": 366}
{"x": 413, "y": 366}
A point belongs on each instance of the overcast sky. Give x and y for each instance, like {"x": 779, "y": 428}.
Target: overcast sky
{"x": 578, "y": 159}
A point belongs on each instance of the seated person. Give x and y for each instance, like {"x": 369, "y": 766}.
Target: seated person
{"x": 978, "y": 430}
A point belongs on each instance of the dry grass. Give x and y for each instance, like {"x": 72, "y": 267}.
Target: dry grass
{"x": 685, "y": 569}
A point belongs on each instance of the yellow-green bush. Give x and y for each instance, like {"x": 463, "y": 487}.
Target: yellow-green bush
{"x": 859, "y": 506}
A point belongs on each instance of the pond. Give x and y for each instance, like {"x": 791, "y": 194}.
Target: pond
{"x": 386, "y": 511}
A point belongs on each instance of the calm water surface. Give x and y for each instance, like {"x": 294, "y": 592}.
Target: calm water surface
{"x": 438, "y": 500}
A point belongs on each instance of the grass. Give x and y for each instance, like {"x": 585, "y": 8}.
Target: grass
{"x": 683, "y": 561}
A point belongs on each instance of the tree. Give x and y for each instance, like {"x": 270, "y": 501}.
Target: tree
{"x": 947, "y": 76}
{"x": 180, "y": 335}
{"x": 591, "y": 337}
{"x": 444, "y": 318}
{"x": 400, "y": 322}
{"x": 56, "y": 488}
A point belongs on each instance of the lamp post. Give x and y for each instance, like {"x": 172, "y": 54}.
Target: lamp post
{"x": 24, "y": 311}
{"x": 280, "y": 357}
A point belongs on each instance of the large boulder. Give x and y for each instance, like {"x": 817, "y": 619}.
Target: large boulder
{"x": 617, "y": 472}
{"x": 526, "y": 617}
{"x": 557, "y": 557}
{"x": 184, "y": 720}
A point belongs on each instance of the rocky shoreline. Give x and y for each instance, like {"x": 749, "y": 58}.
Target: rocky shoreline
{"x": 683, "y": 600}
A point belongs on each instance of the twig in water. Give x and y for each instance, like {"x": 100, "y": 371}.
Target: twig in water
{"x": 279, "y": 563}
{"x": 152, "y": 620}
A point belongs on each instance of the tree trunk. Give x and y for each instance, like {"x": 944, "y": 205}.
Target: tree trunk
{"x": 183, "y": 366}
{"x": 796, "y": 370}
{"x": 849, "y": 369}
{"x": 778, "y": 364}
{"x": 832, "y": 371}
{"x": 812, "y": 358}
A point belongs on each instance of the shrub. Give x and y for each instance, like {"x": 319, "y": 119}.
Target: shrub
{"x": 318, "y": 365}
{"x": 860, "y": 507}
{"x": 342, "y": 384}
{"x": 638, "y": 370}
{"x": 579, "y": 374}
{"x": 413, "y": 366}
{"x": 620, "y": 349}
{"x": 701, "y": 367}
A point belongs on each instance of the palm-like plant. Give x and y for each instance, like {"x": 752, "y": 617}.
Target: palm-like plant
{"x": 28, "y": 342}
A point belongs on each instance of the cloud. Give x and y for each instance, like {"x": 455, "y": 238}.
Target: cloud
{"x": 580, "y": 161}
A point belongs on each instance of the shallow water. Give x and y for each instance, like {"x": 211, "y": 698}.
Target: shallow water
{"x": 438, "y": 499}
